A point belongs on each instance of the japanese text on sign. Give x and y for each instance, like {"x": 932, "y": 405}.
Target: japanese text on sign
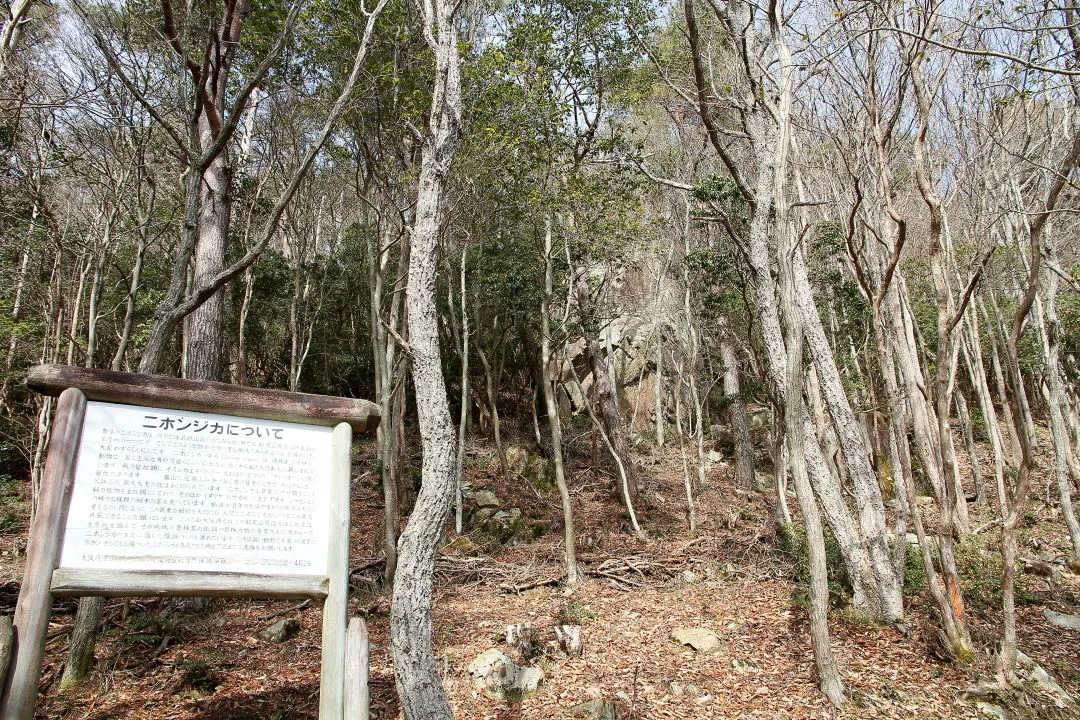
{"x": 165, "y": 490}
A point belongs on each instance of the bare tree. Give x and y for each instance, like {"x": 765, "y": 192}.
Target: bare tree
{"x": 415, "y": 668}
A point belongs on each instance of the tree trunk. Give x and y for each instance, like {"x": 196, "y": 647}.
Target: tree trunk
{"x": 84, "y": 630}
{"x": 205, "y": 339}
{"x": 415, "y": 666}
{"x": 740, "y": 428}
{"x": 968, "y": 433}
{"x": 549, "y": 376}
{"x": 493, "y": 404}
{"x": 604, "y": 384}
{"x": 1059, "y": 431}
{"x": 977, "y": 372}
{"x": 463, "y": 418}
{"x": 794, "y": 426}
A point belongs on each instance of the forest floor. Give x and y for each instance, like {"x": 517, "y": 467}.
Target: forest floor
{"x": 734, "y": 576}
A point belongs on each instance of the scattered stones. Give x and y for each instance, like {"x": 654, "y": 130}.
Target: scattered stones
{"x": 1033, "y": 671}
{"x": 678, "y": 689}
{"x": 496, "y": 674}
{"x": 281, "y": 631}
{"x": 1071, "y": 622}
{"x": 700, "y": 639}
{"x": 991, "y": 710}
{"x": 483, "y": 499}
{"x": 598, "y": 709}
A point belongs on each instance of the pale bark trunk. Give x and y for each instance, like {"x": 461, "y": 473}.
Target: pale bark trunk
{"x": 1059, "y": 430}
{"x": 241, "y": 343}
{"x": 416, "y": 669}
{"x": 1025, "y": 426}
{"x": 1012, "y": 442}
{"x": 385, "y": 390}
{"x": 549, "y": 377}
{"x": 740, "y": 428}
{"x": 493, "y": 405}
{"x": 977, "y": 372}
{"x": 18, "y": 13}
{"x": 823, "y": 481}
{"x": 463, "y": 418}
{"x": 795, "y": 428}
{"x": 688, "y": 485}
{"x": 133, "y": 289}
{"x": 968, "y": 433}
{"x": 605, "y": 388}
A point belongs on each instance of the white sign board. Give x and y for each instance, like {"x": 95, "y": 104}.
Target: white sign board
{"x": 170, "y": 490}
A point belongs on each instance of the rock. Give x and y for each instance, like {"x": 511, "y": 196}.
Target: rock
{"x": 1046, "y": 570}
{"x": 624, "y": 697}
{"x": 281, "y": 631}
{"x": 500, "y": 678}
{"x": 714, "y": 456}
{"x": 482, "y": 515}
{"x": 912, "y": 539}
{"x": 924, "y": 501}
{"x": 1062, "y": 620}
{"x": 598, "y": 709}
{"x": 991, "y": 710}
{"x": 689, "y": 577}
{"x": 701, "y": 639}
{"x": 484, "y": 499}
{"x": 523, "y": 638}
{"x": 569, "y": 639}
{"x": 1073, "y": 564}
{"x": 1033, "y": 671}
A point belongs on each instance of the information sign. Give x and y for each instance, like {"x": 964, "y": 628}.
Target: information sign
{"x": 167, "y": 490}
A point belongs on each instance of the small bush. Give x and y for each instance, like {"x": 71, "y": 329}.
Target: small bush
{"x": 980, "y": 575}
{"x": 148, "y": 629}
{"x": 573, "y": 612}
{"x": 793, "y": 546}
{"x": 914, "y": 572}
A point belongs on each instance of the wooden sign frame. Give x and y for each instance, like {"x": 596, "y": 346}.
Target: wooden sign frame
{"x": 343, "y": 693}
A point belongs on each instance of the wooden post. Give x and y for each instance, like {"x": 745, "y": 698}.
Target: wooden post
{"x": 335, "y": 607}
{"x": 43, "y": 554}
{"x": 356, "y": 671}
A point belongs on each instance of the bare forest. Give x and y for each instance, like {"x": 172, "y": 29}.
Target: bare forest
{"x": 727, "y": 354}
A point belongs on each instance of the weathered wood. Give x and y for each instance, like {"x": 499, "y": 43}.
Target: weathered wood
{"x": 35, "y": 601}
{"x": 357, "y": 696}
{"x": 7, "y": 639}
{"x": 79, "y": 582}
{"x": 335, "y": 607}
{"x": 203, "y": 396}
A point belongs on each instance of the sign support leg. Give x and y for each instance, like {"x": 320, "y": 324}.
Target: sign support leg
{"x": 335, "y": 608}
{"x": 43, "y": 555}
